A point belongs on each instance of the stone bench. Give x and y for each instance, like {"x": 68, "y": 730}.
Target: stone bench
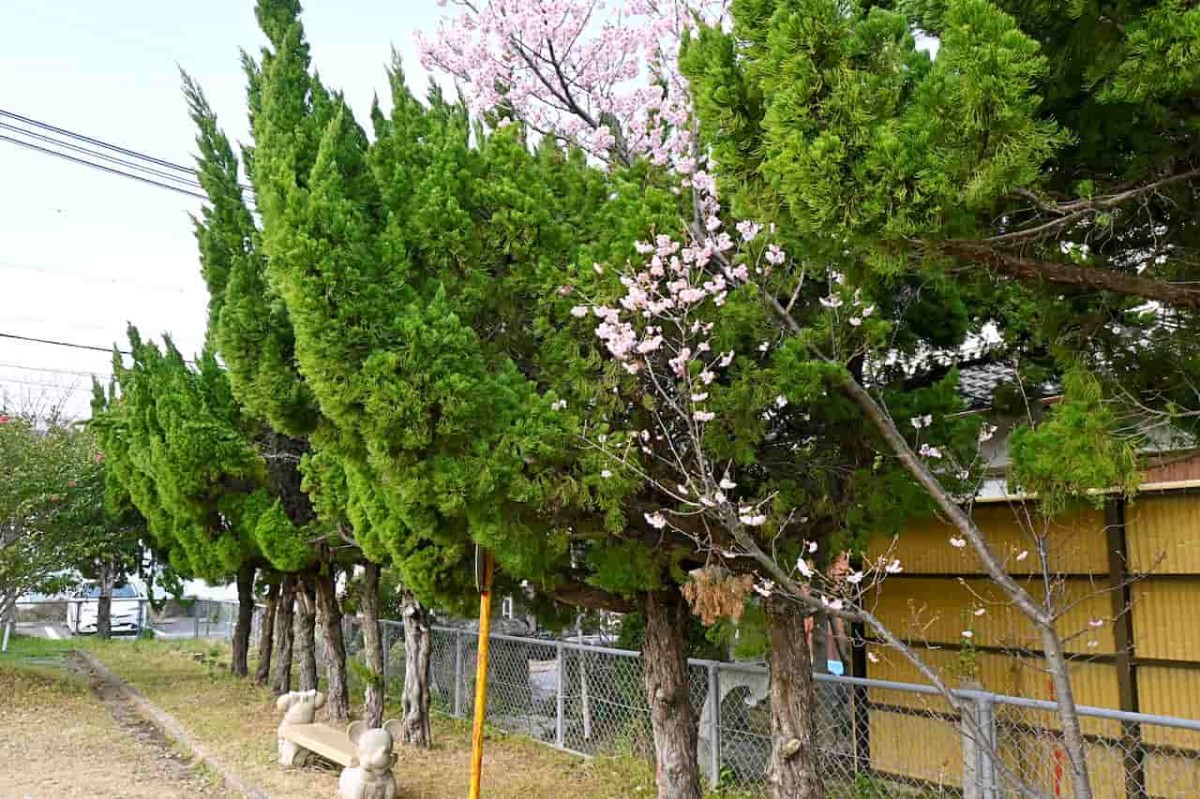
{"x": 332, "y": 744}
{"x": 366, "y": 755}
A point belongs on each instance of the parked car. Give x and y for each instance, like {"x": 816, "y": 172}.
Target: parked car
{"x": 129, "y": 610}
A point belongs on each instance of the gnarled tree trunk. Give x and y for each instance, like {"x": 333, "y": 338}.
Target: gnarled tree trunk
{"x": 376, "y": 690}
{"x": 337, "y": 688}
{"x": 266, "y": 635}
{"x": 415, "y": 729}
{"x": 305, "y": 646}
{"x": 671, "y": 715}
{"x": 245, "y": 619}
{"x": 104, "y": 601}
{"x": 281, "y": 673}
{"x": 792, "y": 771}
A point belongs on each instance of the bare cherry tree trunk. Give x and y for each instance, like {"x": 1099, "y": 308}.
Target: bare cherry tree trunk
{"x": 1056, "y": 664}
{"x": 281, "y": 674}
{"x": 337, "y": 687}
{"x": 671, "y": 715}
{"x": 306, "y": 643}
{"x": 792, "y": 771}
{"x": 245, "y": 619}
{"x": 266, "y": 636}
{"x": 104, "y": 601}
{"x": 376, "y": 690}
{"x": 415, "y": 729}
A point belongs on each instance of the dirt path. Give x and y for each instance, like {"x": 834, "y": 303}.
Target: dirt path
{"x": 69, "y": 735}
{"x": 171, "y": 764}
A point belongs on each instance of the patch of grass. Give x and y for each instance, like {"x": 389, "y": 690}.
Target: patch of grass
{"x": 61, "y": 741}
{"x": 237, "y": 721}
{"x": 38, "y": 658}
{"x": 27, "y": 647}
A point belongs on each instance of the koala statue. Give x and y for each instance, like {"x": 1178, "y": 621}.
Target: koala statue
{"x": 298, "y": 707}
{"x": 370, "y": 775}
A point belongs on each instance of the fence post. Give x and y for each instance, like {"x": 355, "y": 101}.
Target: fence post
{"x": 979, "y": 742}
{"x": 986, "y": 716}
{"x": 972, "y": 742}
{"x": 458, "y": 673}
{"x": 714, "y": 717}
{"x": 385, "y": 638}
{"x": 560, "y": 735}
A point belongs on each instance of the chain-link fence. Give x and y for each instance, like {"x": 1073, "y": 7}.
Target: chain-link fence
{"x": 876, "y": 739}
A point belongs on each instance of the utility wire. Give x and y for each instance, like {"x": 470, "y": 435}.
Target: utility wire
{"x": 72, "y": 345}
{"x": 68, "y": 372}
{"x": 190, "y": 171}
{"x": 110, "y": 170}
{"x": 161, "y": 173}
{"x": 53, "y": 343}
{"x": 98, "y": 142}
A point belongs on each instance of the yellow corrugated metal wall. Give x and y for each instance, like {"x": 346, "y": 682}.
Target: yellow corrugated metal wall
{"x": 934, "y": 601}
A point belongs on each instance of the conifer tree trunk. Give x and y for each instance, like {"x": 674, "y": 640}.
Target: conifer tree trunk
{"x": 281, "y": 674}
{"x": 245, "y": 619}
{"x": 671, "y": 715}
{"x": 792, "y": 771}
{"x": 104, "y": 601}
{"x": 415, "y": 730}
{"x": 266, "y": 636}
{"x": 337, "y": 687}
{"x": 376, "y": 689}
{"x": 305, "y": 645}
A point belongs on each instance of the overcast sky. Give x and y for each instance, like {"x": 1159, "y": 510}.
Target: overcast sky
{"x": 82, "y": 252}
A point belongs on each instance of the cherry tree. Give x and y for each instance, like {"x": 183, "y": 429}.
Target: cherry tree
{"x": 664, "y": 328}
{"x": 602, "y": 75}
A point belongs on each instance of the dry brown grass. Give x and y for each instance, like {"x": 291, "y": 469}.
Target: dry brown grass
{"x": 237, "y": 722}
{"x": 58, "y": 740}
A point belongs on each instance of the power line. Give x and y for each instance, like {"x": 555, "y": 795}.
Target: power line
{"x": 69, "y": 372}
{"x": 53, "y": 343}
{"x": 110, "y": 170}
{"x": 190, "y": 171}
{"x": 191, "y": 182}
{"x": 72, "y": 345}
{"x": 97, "y": 142}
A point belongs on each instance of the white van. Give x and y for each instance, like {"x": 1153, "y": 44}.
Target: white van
{"x": 129, "y": 610}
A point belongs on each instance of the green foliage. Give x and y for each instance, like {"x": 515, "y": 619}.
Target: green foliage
{"x": 827, "y": 116}
{"x": 175, "y": 442}
{"x": 419, "y": 274}
{"x": 41, "y": 461}
{"x": 1078, "y": 451}
{"x": 696, "y": 640}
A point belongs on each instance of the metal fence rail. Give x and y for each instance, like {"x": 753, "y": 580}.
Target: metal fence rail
{"x": 876, "y": 739}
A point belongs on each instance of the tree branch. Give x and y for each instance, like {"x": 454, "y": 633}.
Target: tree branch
{"x": 1176, "y": 295}
{"x": 587, "y": 596}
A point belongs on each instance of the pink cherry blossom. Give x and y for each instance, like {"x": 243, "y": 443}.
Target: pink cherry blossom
{"x": 603, "y": 74}
{"x": 748, "y": 230}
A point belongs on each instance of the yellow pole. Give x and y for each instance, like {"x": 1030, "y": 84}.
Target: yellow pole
{"x": 481, "y": 664}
